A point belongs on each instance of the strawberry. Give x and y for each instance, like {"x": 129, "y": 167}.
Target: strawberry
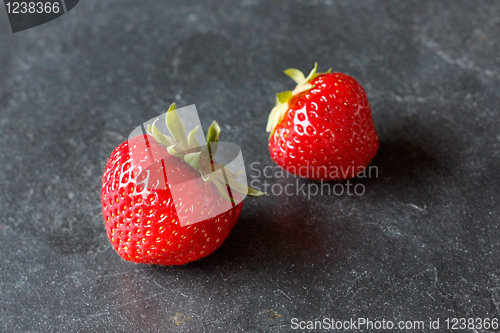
{"x": 142, "y": 219}
{"x": 323, "y": 129}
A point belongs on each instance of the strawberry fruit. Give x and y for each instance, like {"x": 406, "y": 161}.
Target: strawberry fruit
{"x": 323, "y": 129}
{"x": 142, "y": 219}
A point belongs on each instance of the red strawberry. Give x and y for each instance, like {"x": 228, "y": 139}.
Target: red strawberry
{"x": 323, "y": 130}
{"x": 142, "y": 219}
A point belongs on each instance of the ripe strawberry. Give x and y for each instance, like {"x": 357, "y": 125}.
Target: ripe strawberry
{"x": 323, "y": 130}
{"x": 142, "y": 219}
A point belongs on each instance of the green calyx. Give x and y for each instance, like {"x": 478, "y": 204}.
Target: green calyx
{"x": 186, "y": 147}
{"x": 282, "y": 98}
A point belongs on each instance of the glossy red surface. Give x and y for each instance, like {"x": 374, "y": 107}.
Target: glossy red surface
{"x": 327, "y": 132}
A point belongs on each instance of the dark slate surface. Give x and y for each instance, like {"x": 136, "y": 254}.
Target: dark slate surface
{"x": 423, "y": 241}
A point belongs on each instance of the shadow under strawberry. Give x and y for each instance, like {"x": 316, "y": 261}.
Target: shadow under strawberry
{"x": 276, "y": 234}
{"x": 411, "y": 156}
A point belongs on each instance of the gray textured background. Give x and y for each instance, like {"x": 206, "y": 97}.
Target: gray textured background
{"x": 423, "y": 242}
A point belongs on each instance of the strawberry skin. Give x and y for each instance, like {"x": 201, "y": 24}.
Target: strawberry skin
{"x": 142, "y": 224}
{"x": 327, "y": 131}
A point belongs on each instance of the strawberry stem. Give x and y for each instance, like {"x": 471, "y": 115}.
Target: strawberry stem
{"x": 278, "y": 112}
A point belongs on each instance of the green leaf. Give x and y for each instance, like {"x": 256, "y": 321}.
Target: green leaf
{"x": 284, "y": 97}
{"x": 159, "y": 136}
{"x": 228, "y": 172}
{"x": 313, "y": 73}
{"x": 237, "y": 186}
{"x": 219, "y": 176}
{"x": 254, "y": 193}
{"x": 172, "y": 106}
{"x": 296, "y": 75}
{"x": 235, "y": 175}
{"x": 301, "y": 88}
{"x": 221, "y": 187}
{"x": 192, "y": 141}
{"x": 234, "y": 184}
{"x": 270, "y": 120}
{"x": 277, "y": 117}
{"x": 171, "y": 150}
{"x": 278, "y": 112}
{"x": 193, "y": 160}
{"x": 176, "y": 126}
{"x": 213, "y": 133}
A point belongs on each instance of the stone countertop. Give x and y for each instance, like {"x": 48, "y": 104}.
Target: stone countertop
{"x": 421, "y": 243}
